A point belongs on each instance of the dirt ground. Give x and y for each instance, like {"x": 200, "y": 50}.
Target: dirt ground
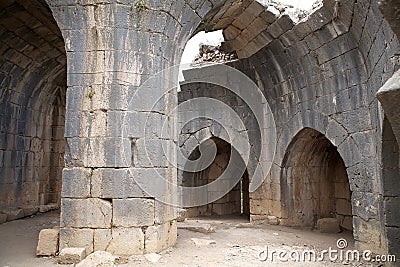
{"x": 18, "y": 240}
{"x": 235, "y": 243}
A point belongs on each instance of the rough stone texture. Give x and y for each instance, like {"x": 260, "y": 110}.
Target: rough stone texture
{"x": 390, "y": 160}
{"x": 160, "y": 237}
{"x": 76, "y": 188}
{"x": 126, "y": 241}
{"x": 98, "y": 259}
{"x": 15, "y": 214}
{"x": 77, "y": 238}
{"x": 48, "y": 242}
{"x": 389, "y": 10}
{"x": 208, "y": 53}
{"x": 243, "y": 25}
{"x": 28, "y": 211}
{"x": 133, "y": 212}
{"x": 328, "y": 225}
{"x": 152, "y": 239}
{"x": 182, "y": 215}
{"x": 322, "y": 73}
{"x": 272, "y": 220}
{"x": 105, "y": 116}
{"x": 109, "y": 183}
{"x": 3, "y": 218}
{"x": 50, "y": 207}
{"x": 228, "y": 204}
{"x": 102, "y": 238}
{"x": 92, "y": 212}
{"x": 319, "y": 183}
{"x": 71, "y": 255}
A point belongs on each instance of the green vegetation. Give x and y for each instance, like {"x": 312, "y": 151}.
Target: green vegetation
{"x": 140, "y": 6}
{"x": 91, "y": 94}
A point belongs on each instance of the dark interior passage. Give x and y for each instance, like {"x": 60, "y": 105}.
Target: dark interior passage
{"x": 32, "y": 101}
{"x": 234, "y": 202}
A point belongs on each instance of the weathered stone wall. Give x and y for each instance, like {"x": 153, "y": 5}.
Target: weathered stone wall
{"x": 322, "y": 73}
{"x": 198, "y": 131}
{"x": 324, "y": 77}
{"x": 112, "y": 48}
{"x": 32, "y": 101}
{"x": 311, "y": 163}
{"x": 230, "y": 203}
{"x": 390, "y": 184}
{"x": 314, "y": 183}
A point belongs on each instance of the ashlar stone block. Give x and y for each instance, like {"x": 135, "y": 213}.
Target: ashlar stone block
{"x": 126, "y": 242}
{"x": 48, "y": 242}
{"x": 134, "y": 212}
{"x": 86, "y": 213}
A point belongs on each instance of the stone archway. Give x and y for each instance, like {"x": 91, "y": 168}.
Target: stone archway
{"x": 113, "y": 47}
{"x": 314, "y": 182}
{"x": 117, "y": 45}
{"x": 33, "y": 86}
{"x": 236, "y": 201}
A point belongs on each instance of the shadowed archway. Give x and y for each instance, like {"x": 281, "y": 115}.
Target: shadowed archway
{"x": 236, "y": 201}
{"x": 33, "y": 84}
{"x": 314, "y": 182}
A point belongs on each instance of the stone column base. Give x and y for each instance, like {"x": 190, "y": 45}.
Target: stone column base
{"x": 121, "y": 241}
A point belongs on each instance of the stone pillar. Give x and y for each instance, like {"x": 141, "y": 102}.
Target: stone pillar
{"x": 389, "y": 96}
{"x": 113, "y": 47}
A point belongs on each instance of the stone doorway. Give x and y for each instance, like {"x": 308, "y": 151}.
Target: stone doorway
{"x": 236, "y": 201}
{"x": 314, "y": 183}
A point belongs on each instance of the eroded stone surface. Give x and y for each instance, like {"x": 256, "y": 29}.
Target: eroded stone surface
{"x": 322, "y": 73}
{"x": 77, "y": 238}
{"x": 160, "y": 237}
{"x": 71, "y": 255}
{"x": 133, "y": 212}
{"x": 126, "y": 241}
{"x": 92, "y": 212}
{"x": 328, "y": 225}
{"x": 98, "y": 259}
{"x": 48, "y": 242}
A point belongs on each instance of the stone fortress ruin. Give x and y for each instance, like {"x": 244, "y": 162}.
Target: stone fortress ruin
{"x": 74, "y": 100}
